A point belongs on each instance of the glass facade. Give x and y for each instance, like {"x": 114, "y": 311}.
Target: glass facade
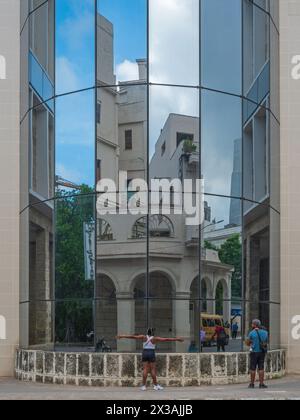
{"x": 149, "y": 94}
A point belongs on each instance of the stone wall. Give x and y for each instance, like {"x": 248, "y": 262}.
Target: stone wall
{"x": 175, "y": 370}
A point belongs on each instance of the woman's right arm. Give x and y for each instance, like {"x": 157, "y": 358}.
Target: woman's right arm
{"x": 131, "y": 337}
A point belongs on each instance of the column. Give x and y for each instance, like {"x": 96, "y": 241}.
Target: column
{"x": 211, "y": 304}
{"x": 290, "y": 173}
{"x": 227, "y": 302}
{"x": 126, "y": 321}
{"x": 182, "y": 320}
{"x": 252, "y": 280}
{"x": 40, "y": 311}
{"x": 10, "y": 185}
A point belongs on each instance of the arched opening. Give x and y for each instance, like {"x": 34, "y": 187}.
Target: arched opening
{"x": 198, "y": 306}
{"x": 106, "y": 318}
{"x": 161, "y": 318}
{"x": 221, "y": 297}
{"x": 195, "y": 310}
{"x": 156, "y": 311}
{"x": 204, "y": 292}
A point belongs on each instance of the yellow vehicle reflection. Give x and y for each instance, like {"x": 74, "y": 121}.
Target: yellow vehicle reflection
{"x": 208, "y": 325}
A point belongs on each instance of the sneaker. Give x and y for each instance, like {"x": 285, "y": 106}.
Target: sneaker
{"x": 263, "y": 386}
{"x": 143, "y": 388}
{"x": 251, "y": 386}
{"x": 158, "y": 388}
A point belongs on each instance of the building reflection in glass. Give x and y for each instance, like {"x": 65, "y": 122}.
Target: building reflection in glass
{"x": 120, "y": 106}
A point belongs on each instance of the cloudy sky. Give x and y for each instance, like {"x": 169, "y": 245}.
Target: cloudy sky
{"x": 174, "y": 59}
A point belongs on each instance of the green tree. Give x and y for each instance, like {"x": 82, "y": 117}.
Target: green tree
{"x": 231, "y": 253}
{"x": 209, "y": 245}
{"x": 74, "y": 313}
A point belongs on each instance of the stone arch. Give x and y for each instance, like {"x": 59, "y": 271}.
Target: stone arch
{"x": 206, "y": 291}
{"x": 142, "y": 274}
{"x": 111, "y": 276}
{"x": 190, "y": 281}
{"x": 106, "y": 310}
{"x": 206, "y": 294}
{"x": 157, "y": 310}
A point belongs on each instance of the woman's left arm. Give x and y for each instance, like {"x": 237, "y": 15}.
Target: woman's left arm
{"x": 168, "y": 340}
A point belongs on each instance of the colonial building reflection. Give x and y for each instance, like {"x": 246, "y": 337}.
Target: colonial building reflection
{"x": 112, "y": 105}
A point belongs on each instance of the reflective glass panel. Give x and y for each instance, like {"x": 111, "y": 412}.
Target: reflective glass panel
{"x": 221, "y": 45}
{"x": 221, "y": 153}
{"x": 174, "y": 23}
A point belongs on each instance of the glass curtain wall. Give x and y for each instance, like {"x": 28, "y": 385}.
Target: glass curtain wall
{"x": 146, "y": 96}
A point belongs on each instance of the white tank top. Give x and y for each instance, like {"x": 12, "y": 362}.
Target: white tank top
{"x": 148, "y": 345}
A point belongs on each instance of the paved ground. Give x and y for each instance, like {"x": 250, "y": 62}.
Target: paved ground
{"x": 234, "y": 346}
{"x": 284, "y": 389}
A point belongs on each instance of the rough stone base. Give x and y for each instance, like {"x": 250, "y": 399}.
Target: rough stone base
{"x": 124, "y": 370}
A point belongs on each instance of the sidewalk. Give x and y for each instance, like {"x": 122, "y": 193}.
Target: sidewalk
{"x": 283, "y": 389}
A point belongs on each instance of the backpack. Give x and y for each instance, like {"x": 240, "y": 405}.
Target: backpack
{"x": 224, "y": 337}
{"x": 263, "y": 344}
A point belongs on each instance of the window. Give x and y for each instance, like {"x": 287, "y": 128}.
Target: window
{"x": 163, "y": 149}
{"x": 159, "y": 227}
{"x": 98, "y": 116}
{"x": 128, "y": 140}
{"x": 105, "y": 232}
{"x": 183, "y": 137}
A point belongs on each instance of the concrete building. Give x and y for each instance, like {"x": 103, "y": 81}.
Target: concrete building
{"x": 37, "y": 160}
{"x": 217, "y": 237}
{"x": 148, "y": 269}
{"x": 10, "y": 186}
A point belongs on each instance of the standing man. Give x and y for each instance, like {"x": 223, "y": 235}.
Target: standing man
{"x": 258, "y": 342}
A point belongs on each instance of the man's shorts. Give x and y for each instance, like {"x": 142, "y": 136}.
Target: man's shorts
{"x": 257, "y": 361}
{"x": 149, "y": 356}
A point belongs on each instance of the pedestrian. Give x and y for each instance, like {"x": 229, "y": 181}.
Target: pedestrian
{"x": 149, "y": 356}
{"x": 193, "y": 347}
{"x": 202, "y": 338}
{"x": 258, "y": 340}
{"x": 222, "y": 338}
{"x": 235, "y": 330}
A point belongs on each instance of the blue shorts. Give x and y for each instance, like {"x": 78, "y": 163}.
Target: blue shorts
{"x": 149, "y": 356}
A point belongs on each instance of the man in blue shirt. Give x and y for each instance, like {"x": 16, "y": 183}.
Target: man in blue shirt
{"x": 257, "y": 340}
